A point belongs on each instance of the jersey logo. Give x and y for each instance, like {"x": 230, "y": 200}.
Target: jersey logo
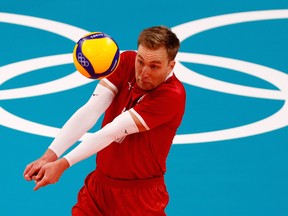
{"x": 120, "y": 140}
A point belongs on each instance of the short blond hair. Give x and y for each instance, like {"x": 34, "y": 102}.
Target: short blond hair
{"x": 160, "y": 36}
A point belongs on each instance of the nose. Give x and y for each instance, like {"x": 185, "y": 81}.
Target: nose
{"x": 145, "y": 72}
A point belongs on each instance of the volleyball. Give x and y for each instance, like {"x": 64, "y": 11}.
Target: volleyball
{"x": 96, "y": 55}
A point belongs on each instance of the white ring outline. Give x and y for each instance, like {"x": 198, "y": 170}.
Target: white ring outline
{"x": 273, "y": 122}
{"x": 211, "y": 22}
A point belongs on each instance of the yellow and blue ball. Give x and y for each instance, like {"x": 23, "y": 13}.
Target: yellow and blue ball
{"x": 96, "y": 55}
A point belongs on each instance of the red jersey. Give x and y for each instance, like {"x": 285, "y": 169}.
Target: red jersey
{"x": 142, "y": 155}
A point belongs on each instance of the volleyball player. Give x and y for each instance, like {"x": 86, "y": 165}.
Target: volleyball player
{"x": 144, "y": 103}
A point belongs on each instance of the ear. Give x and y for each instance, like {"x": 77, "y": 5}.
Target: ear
{"x": 171, "y": 65}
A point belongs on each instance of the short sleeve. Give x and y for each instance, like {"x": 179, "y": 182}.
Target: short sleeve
{"x": 163, "y": 106}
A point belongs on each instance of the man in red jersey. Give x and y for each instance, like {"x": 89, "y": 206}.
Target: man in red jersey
{"x": 144, "y": 104}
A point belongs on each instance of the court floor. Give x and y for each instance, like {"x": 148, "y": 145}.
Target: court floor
{"x": 229, "y": 157}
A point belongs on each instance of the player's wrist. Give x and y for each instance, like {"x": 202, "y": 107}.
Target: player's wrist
{"x": 63, "y": 163}
{"x": 49, "y": 156}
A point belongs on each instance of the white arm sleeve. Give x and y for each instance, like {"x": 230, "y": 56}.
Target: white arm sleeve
{"x": 82, "y": 120}
{"x": 120, "y": 127}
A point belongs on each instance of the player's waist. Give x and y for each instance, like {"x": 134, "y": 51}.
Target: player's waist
{"x": 128, "y": 182}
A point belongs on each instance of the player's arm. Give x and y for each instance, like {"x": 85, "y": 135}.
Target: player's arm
{"x": 121, "y": 126}
{"x": 83, "y": 119}
{"x": 125, "y": 124}
{"x": 80, "y": 122}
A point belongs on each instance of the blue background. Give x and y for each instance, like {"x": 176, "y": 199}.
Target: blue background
{"x": 238, "y": 177}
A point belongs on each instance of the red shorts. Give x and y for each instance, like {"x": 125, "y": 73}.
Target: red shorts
{"x": 105, "y": 196}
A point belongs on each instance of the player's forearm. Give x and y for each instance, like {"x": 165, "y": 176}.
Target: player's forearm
{"x": 121, "y": 126}
{"x": 72, "y": 131}
{"x": 82, "y": 120}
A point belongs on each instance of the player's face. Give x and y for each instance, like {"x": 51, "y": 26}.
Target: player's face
{"x": 152, "y": 67}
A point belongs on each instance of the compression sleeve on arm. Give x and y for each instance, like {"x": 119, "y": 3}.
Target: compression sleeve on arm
{"x": 82, "y": 120}
{"x": 120, "y": 127}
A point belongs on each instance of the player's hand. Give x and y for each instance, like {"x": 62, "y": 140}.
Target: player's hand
{"x": 50, "y": 173}
{"x": 33, "y": 168}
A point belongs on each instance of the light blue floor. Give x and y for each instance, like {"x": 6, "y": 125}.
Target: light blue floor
{"x": 229, "y": 157}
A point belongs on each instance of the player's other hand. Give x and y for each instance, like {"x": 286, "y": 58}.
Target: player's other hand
{"x": 33, "y": 168}
{"x": 50, "y": 173}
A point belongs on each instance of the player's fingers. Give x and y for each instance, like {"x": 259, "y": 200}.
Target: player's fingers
{"x": 29, "y": 173}
{"x": 40, "y": 184}
{"x": 32, "y": 172}
{"x": 33, "y": 177}
{"x": 40, "y": 175}
{"x": 27, "y": 169}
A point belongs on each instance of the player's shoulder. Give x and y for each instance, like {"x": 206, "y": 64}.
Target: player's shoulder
{"x": 125, "y": 70}
{"x": 128, "y": 54}
{"x": 174, "y": 85}
{"x": 171, "y": 89}
{"x": 127, "y": 59}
